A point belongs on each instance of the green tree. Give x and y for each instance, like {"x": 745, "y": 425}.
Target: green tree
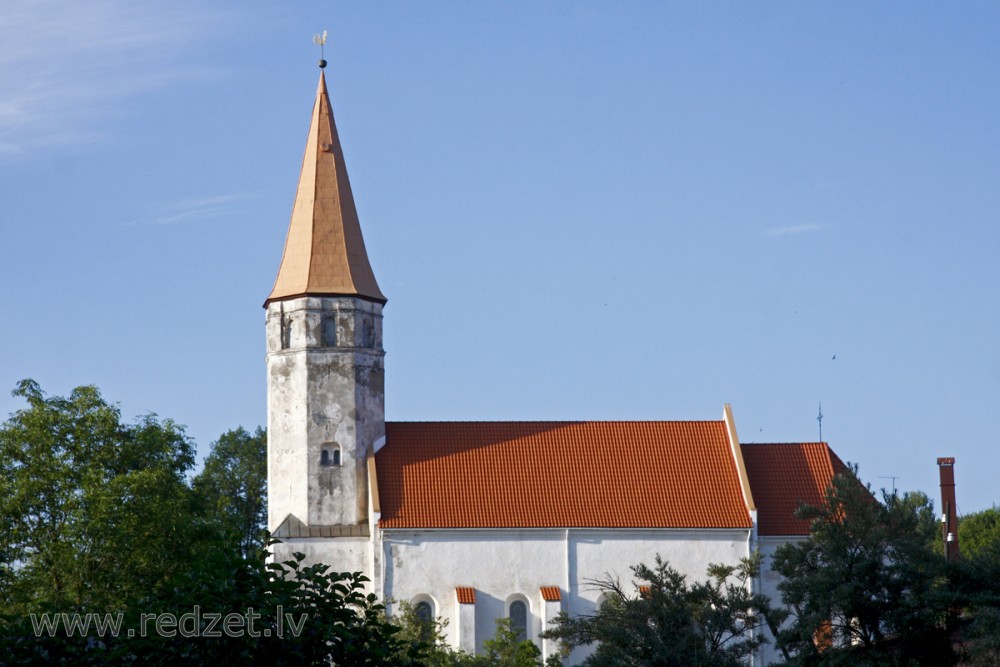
{"x": 671, "y": 622}
{"x": 96, "y": 515}
{"x": 92, "y": 510}
{"x": 866, "y": 587}
{"x": 976, "y": 582}
{"x": 982, "y": 638}
{"x": 428, "y": 634}
{"x": 504, "y": 649}
{"x": 978, "y": 532}
{"x": 507, "y": 649}
{"x": 233, "y": 486}
{"x": 279, "y": 614}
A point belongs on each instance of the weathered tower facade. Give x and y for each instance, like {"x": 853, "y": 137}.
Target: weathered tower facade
{"x": 325, "y": 372}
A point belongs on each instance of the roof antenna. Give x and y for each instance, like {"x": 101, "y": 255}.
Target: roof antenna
{"x": 819, "y": 418}
{"x": 320, "y": 41}
{"x": 893, "y": 478}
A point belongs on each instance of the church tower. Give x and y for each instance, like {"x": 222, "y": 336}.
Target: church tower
{"x": 325, "y": 371}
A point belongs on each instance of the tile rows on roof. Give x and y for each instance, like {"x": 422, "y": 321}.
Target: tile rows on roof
{"x": 551, "y": 593}
{"x": 785, "y": 475}
{"x": 559, "y": 474}
{"x": 465, "y": 594}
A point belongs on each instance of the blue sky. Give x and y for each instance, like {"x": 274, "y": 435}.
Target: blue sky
{"x": 590, "y": 210}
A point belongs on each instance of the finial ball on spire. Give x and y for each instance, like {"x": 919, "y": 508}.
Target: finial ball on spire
{"x": 320, "y": 41}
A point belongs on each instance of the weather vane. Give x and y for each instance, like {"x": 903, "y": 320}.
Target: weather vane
{"x": 320, "y": 41}
{"x": 819, "y": 418}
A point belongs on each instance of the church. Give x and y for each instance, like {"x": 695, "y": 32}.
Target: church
{"x": 475, "y": 521}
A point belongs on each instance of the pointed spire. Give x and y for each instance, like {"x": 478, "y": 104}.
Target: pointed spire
{"x": 324, "y": 250}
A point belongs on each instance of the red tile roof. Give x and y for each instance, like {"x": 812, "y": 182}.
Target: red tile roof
{"x": 466, "y": 594}
{"x": 783, "y": 476}
{"x": 551, "y": 593}
{"x": 558, "y": 474}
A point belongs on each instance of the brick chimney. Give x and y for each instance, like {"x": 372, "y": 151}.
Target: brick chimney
{"x": 949, "y": 515}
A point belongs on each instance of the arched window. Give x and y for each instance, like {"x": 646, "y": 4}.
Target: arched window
{"x": 424, "y": 612}
{"x": 330, "y": 455}
{"x": 518, "y": 614}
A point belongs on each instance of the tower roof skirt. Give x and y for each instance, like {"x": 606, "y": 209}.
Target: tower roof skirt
{"x": 324, "y": 251}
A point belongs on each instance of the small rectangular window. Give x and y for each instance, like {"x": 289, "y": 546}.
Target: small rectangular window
{"x": 330, "y": 331}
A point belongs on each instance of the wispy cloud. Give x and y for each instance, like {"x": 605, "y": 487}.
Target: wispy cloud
{"x": 794, "y": 229}
{"x": 66, "y": 67}
{"x": 196, "y": 209}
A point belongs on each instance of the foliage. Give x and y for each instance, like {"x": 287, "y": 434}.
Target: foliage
{"x": 709, "y": 623}
{"x": 233, "y": 486}
{"x": 975, "y": 580}
{"x": 96, "y": 516}
{"x": 866, "y": 587}
{"x": 426, "y": 634}
{"x": 978, "y": 532}
{"x": 506, "y": 649}
{"x": 92, "y": 510}
{"x": 325, "y": 618}
{"x": 982, "y": 647}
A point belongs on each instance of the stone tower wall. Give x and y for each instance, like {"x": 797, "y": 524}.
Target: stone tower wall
{"x": 326, "y": 407}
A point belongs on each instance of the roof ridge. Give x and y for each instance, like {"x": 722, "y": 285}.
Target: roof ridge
{"x": 554, "y": 421}
{"x": 784, "y": 444}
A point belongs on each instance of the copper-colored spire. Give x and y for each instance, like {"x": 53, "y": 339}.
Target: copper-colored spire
{"x": 324, "y": 250}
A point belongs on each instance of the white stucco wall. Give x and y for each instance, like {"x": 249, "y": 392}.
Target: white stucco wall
{"x": 768, "y": 585}
{"x": 503, "y": 565}
{"x": 343, "y": 554}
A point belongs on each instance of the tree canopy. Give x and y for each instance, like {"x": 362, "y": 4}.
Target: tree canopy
{"x": 504, "y": 649}
{"x": 663, "y": 620}
{"x": 867, "y": 586}
{"x": 232, "y": 610}
{"x": 979, "y": 532}
{"x": 233, "y": 486}
{"x": 97, "y": 515}
{"x": 92, "y": 509}
{"x": 976, "y": 581}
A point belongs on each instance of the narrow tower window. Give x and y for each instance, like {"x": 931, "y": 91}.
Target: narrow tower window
{"x": 518, "y": 614}
{"x": 330, "y": 332}
{"x": 286, "y": 333}
{"x": 369, "y": 333}
{"x": 336, "y": 457}
{"x": 324, "y": 458}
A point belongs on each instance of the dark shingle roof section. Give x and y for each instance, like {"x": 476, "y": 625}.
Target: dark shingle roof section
{"x": 559, "y": 474}
{"x": 783, "y": 476}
